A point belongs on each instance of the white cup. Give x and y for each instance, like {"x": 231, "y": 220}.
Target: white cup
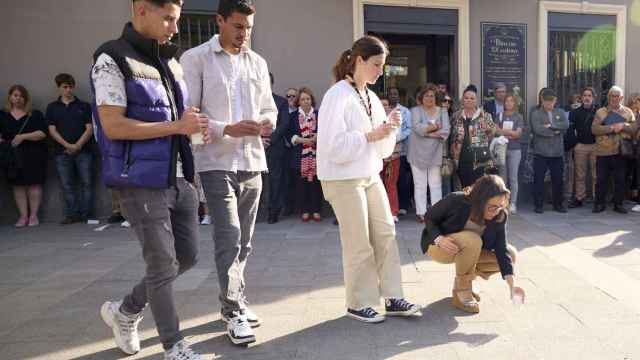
{"x": 517, "y": 300}
{"x": 197, "y": 139}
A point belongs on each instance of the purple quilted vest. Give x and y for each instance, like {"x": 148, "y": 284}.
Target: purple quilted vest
{"x": 155, "y": 93}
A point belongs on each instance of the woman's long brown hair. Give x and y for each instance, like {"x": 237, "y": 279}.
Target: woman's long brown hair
{"x": 479, "y": 194}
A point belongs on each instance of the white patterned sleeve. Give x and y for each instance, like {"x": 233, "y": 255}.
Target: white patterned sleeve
{"x": 108, "y": 82}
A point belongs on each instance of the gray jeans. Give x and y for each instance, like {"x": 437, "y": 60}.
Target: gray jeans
{"x": 510, "y": 173}
{"x": 233, "y": 200}
{"x": 166, "y": 224}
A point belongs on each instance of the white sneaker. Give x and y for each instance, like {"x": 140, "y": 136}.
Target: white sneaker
{"x": 125, "y": 224}
{"x": 125, "y": 328}
{"x": 513, "y": 209}
{"x": 182, "y": 351}
{"x": 636, "y": 208}
{"x": 253, "y": 319}
{"x": 402, "y": 212}
{"x": 395, "y": 219}
{"x": 239, "y": 330}
{"x": 206, "y": 220}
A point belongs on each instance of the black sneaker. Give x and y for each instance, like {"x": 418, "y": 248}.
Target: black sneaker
{"x": 273, "y": 218}
{"x": 68, "y": 221}
{"x": 575, "y": 203}
{"x": 367, "y": 315}
{"x": 400, "y": 307}
{"x": 539, "y": 210}
{"x": 115, "y": 218}
{"x": 620, "y": 209}
{"x": 559, "y": 208}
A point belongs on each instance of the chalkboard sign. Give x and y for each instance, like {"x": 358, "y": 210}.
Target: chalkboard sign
{"x": 504, "y": 59}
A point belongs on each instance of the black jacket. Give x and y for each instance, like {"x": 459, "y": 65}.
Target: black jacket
{"x": 278, "y": 141}
{"x": 450, "y": 215}
{"x": 579, "y": 131}
{"x": 294, "y": 129}
{"x": 490, "y": 107}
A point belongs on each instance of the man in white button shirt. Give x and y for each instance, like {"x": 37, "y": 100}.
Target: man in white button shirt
{"x": 230, "y": 83}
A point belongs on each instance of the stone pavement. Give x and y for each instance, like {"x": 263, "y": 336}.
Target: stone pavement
{"x": 581, "y": 273}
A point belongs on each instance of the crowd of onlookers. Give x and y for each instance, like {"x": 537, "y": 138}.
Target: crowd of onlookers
{"x": 586, "y": 149}
{"x": 444, "y": 146}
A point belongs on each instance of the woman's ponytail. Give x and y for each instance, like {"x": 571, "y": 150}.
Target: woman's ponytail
{"x": 344, "y": 66}
{"x": 365, "y": 47}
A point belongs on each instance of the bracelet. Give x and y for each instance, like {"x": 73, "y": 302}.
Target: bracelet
{"x": 436, "y": 242}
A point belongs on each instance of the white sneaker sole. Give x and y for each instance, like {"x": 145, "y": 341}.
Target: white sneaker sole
{"x": 253, "y": 324}
{"x": 376, "y": 320}
{"x": 105, "y": 315}
{"x": 241, "y": 341}
{"x": 414, "y": 311}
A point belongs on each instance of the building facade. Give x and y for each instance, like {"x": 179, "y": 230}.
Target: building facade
{"x": 562, "y": 44}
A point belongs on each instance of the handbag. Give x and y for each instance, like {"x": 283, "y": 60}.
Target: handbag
{"x": 11, "y": 157}
{"x": 627, "y": 148}
{"x": 448, "y": 166}
{"x": 481, "y": 155}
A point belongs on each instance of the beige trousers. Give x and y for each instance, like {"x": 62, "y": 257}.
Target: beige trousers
{"x": 370, "y": 257}
{"x": 472, "y": 260}
{"x": 585, "y": 156}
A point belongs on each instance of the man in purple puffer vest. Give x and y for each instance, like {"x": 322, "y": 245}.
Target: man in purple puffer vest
{"x": 142, "y": 127}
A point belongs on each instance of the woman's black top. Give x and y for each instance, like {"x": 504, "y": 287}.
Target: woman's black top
{"x": 450, "y": 215}
{"x": 34, "y": 153}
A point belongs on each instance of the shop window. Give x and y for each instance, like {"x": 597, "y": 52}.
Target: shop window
{"x": 195, "y": 29}
{"x": 581, "y": 53}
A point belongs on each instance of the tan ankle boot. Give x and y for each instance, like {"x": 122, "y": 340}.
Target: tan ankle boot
{"x": 462, "y": 296}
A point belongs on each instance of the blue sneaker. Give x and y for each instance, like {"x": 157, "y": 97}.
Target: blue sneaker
{"x": 367, "y": 315}
{"x": 400, "y": 307}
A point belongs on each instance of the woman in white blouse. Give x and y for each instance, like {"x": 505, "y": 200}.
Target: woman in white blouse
{"x": 430, "y": 128}
{"x": 354, "y": 135}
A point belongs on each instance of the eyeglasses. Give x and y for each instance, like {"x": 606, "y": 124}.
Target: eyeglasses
{"x": 495, "y": 208}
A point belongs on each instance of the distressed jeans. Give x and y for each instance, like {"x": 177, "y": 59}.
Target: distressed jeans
{"x": 234, "y": 200}
{"x": 166, "y": 224}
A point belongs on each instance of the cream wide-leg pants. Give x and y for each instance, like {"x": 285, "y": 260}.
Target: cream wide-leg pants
{"x": 370, "y": 257}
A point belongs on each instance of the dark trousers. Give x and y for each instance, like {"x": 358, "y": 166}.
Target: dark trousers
{"x": 278, "y": 180}
{"x": 75, "y": 170}
{"x": 606, "y": 167}
{"x": 166, "y": 224}
{"x": 632, "y": 175}
{"x": 309, "y": 194}
{"x": 556, "y": 166}
{"x": 404, "y": 184}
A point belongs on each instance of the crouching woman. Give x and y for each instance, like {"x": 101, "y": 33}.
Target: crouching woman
{"x": 468, "y": 229}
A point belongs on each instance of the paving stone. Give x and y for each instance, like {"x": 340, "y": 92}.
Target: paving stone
{"x": 294, "y": 278}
